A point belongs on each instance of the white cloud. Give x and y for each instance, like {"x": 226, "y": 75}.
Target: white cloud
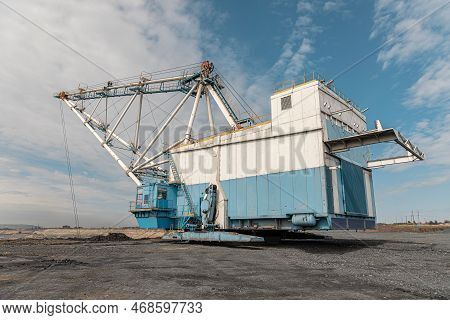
{"x": 304, "y": 7}
{"x": 299, "y": 58}
{"x": 37, "y": 195}
{"x": 123, "y": 37}
{"x": 299, "y": 44}
{"x": 136, "y": 36}
{"x": 432, "y": 88}
{"x": 424, "y": 42}
{"x": 443, "y": 177}
{"x": 333, "y": 5}
{"x": 423, "y": 45}
{"x": 422, "y": 124}
{"x": 433, "y": 136}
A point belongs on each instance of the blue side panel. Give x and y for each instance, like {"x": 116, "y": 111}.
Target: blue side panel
{"x": 265, "y": 197}
{"x": 197, "y": 195}
{"x": 279, "y": 194}
{"x": 274, "y": 194}
{"x": 147, "y": 223}
{"x": 339, "y": 223}
{"x": 162, "y": 203}
{"x": 172, "y": 195}
{"x": 155, "y": 223}
{"x": 314, "y": 187}
{"x": 232, "y": 199}
{"x": 344, "y": 223}
{"x": 241, "y": 192}
{"x": 370, "y": 224}
{"x": 287, "y": 193}
{"x": 354, "y": 189}
{"x": 252, "y": 198}
{"x": 300, "y": 191}
{"x": 262, "y": 183}
{"x": 357, "y": 224}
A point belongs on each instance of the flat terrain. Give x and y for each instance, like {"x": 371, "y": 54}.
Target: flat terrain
{"x": 351, "y": 265}
{"x": 60, "y": 233}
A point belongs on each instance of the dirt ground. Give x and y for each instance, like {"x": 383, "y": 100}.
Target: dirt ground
{"x": 351, "y": 265}
{"x": 60, "y": 233}
{"x": 411, "y": 227}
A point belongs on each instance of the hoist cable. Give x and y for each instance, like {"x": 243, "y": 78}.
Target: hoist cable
{"x": 69, "y": 171}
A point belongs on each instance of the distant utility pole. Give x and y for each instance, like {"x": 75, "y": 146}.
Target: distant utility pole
{"x": 418, "y": 217}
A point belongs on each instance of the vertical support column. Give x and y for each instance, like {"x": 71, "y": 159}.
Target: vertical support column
{"x": 187, "y": 136}
{"x": 106, "y": 116}
{"x": 369, "y": 193}
{"x": 138, "y": 123}
{"x": 222, "y": 107}
{"x": 210, "y": 114}
{"x": 335, "y": 189}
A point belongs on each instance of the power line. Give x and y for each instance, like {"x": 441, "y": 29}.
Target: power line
{"x": 237, "y": 93}
{"x": 377, "y": 49}
{"x": 58, "y": 40}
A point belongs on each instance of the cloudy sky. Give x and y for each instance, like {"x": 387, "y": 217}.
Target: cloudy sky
{"x": 256, "y": 44}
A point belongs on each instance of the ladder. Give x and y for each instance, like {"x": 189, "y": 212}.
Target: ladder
{"x": 177, "y": 178}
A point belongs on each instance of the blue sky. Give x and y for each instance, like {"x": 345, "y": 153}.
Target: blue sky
{"x": 256, "y": 44}
{"x": 341, "y": 33}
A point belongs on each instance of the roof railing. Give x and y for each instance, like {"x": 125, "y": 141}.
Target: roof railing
{"x": 310, "y": 76}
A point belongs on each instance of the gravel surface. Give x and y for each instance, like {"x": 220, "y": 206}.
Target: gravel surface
{"x": 351, "y": 265}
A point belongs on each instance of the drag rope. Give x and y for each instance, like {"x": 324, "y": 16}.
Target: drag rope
{"x": 69, "y": 171}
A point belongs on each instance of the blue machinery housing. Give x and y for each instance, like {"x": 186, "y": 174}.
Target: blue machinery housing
{"x": 265, "y": 201}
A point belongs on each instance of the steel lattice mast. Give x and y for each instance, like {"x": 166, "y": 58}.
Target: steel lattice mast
{"x": 199, "y": 82}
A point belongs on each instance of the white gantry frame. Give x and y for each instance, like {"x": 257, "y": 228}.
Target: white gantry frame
{"x": 379, "y": 135}
{"x": 195, "y": 85}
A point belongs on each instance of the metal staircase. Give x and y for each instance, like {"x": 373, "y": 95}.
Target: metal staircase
{"x": 178, "y": 179}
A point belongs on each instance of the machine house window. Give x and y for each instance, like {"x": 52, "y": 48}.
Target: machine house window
{"x": 139, "y": 197}
{"x": 286, "y": 103}
{"x": 162, "y": 194}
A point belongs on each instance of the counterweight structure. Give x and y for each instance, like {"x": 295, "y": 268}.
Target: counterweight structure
{"x": 308, "y": 167}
